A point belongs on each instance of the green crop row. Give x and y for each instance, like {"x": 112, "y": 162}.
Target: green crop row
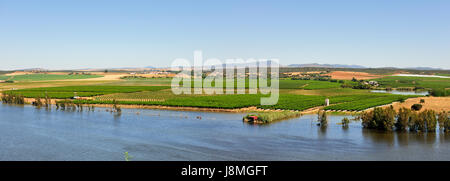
{"x": 422, "y": 82}
{"x": 285, "y": 101}
{"x": 368, "y": 102}
{"x": 83, "y": 91}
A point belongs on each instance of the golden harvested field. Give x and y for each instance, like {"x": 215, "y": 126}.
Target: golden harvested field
{"x": 437, "y": 104}
{"x": 343, "y": 75}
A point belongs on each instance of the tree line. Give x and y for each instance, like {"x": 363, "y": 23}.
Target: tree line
{"x": 405, "y": 120}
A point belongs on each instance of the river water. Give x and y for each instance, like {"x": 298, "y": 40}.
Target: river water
{"x": 422, "y": 93}
{"x": 27, "y": 133}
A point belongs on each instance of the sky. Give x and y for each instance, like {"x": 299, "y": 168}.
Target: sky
{"x": 74, "y": 34}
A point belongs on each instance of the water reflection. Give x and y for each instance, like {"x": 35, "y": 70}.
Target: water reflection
{"x": 402, "y": 139}
{"x": 379, "y": 137}
{"x": 322, "y": 132}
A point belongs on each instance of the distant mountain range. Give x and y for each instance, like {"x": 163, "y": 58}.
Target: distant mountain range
{"x": 357, "y": 66}
{"x": 246, "y": 64}
{"x": 326, "y": 65}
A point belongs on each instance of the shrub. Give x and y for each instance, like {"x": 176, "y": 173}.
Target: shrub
{"x": 422, "y": 100}
{"x": 379, "y": 118}
{"x": 37, "y": 102}
{"x": 362, "y": 86}
{"x": 322, "y": 118}
{"x": 346, "y": 86}
{"x": 416, "y": 107}
{"x": 388, "y": 120}
{"x": 345, "y": 121}
{"x": 271, "y": 116}
{"x": 438, "y": 92}
{"x": 367, "y": 120}
{"x": 414, "y": 122}
{"x": 443, "y": 121}
{"x": 11, "y": 98}
{"x": 403, "y": 119}
{"x": 429, "y": 119}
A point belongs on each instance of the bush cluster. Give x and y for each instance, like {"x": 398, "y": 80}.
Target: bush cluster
{"x": 404, "y": 120}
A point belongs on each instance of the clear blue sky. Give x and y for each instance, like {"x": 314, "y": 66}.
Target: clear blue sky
{"x": 107, "y": 33}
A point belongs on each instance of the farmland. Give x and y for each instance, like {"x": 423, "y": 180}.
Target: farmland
{"x": 285, "y": 102}
{"x": 296, "y": 95}
{"x": 83, "y": 91}
{"x": 46, "y": 77}
{"x": 367, "y": 102}
{"x": 423, "y": 82}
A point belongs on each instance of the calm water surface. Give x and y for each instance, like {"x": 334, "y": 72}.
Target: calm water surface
{"x": 27, "y": 133}
{"x": 423, "y": 93}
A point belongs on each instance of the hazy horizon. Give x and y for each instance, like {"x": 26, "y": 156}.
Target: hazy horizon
{"x": 80, "y": 34}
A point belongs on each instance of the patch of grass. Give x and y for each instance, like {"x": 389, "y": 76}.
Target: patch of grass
{"x": 307, "y": 84}
{"x": 3, "y": 77}
{"x": 321, "y": 85}
{"x": 268, "y": 117}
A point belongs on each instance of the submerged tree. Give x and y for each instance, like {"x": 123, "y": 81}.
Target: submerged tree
{"x": 367, "y": 120}
{"x": 11, "y": 98}
{"x": 443, "y": 119}
{"x": 414, "y": 122}
{"x": 429, "y": 120}
{"x": 379, "y": 118}
{"x": 48, "y": 100}
{"x": 345, "y": 121}
{"x": 403, "y": 119}
{"x": 37, "y": 102}
{"x": 322, "y": 118}
{"x": 116, "y": 108}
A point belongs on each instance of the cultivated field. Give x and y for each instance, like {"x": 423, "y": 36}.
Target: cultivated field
{"x": 45, "y": 77}
{"x": 344, "y": 75}
{"x": 299, "y": 95}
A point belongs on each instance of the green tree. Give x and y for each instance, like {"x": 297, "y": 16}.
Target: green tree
{"x": 416, "y": 107}
{"x": 413, "y": 122}
{"x": 429, "y": 121}
{"x": 345, "y": 122}
{"x": 443, "y": 119}
{"x": 322, "y": 118}
{"x": 403, "y": 119}
{"x": 367, "y": 120}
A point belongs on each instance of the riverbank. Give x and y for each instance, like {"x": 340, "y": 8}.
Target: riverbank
{"x": 179, "y": 108}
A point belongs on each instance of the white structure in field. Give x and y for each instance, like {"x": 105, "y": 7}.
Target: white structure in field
{"x": 327, "y": 102}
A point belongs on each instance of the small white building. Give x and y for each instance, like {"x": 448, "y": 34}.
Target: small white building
{"x": 327, "y": 102}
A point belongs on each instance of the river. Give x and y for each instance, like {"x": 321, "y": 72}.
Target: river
{"x": 399, "y": 92}
{"x": 28, "y": 133}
